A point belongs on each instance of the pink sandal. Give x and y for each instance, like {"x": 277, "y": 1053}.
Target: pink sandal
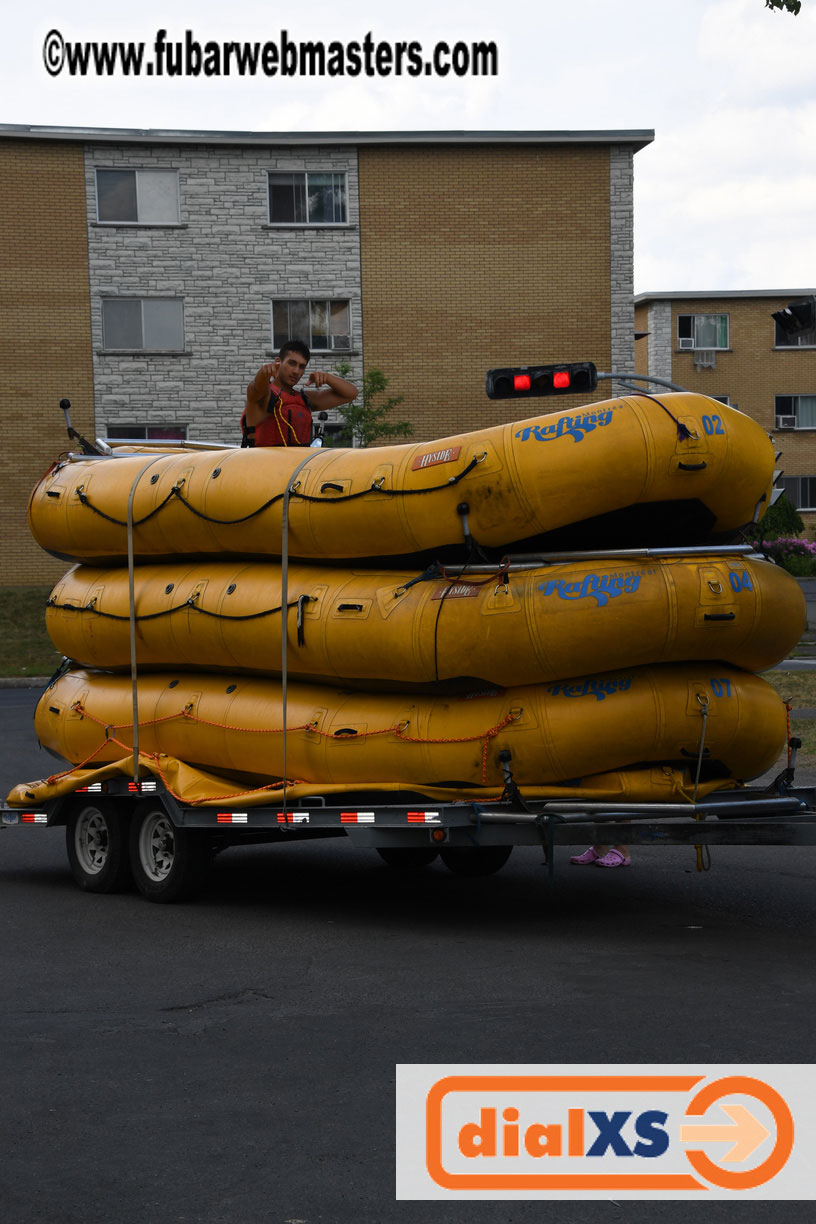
{"x": 613, "y": 858}
{"x": 584, "y": 860}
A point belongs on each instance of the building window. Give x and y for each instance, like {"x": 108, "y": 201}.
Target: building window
{"x": 800, "y": 339}
{"x": 143, "y": 324}
{"x": 137, "y": 197}
{"x": 323, "y": 324}
{"x": 800, "y": 491}
{"x": 795, "y": 411}
{"x": 146, "y": 433}
{"x": 699, "y": 331}
{"x": 301, "y": 198}
{"x": 721, "y": 399}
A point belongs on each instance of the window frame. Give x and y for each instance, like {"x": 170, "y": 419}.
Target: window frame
{"x": 307, "y": 224}
{"x": 136, "y": 171}
{"x": 795, "y": 413}
{"x": 785, "y": 481}
{"x": 695, "y": 347}
{"x": 328, "y": 302}
{"x": 794, "y": 342}
{"x": 136, "y": 436}
{"x": 144, "y": 350}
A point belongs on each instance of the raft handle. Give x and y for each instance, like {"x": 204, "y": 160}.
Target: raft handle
{"x": 719, "y": 616}
{"x": 692, "y": 467}
{"x": 53, "y": 493}
{"x": 345, "y": 731}
{"x": 349, "y": 607}
{"x": 329, "y": 484}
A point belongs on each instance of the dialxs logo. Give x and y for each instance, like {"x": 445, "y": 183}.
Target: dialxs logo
{"x": 712, "y": 1132}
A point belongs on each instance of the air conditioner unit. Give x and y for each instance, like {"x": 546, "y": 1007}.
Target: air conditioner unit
{"x": 685, "y": 342}
{"x": 786, "y": 422}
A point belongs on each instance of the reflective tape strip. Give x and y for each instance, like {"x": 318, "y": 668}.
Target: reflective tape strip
{"x": 293, "y": 818}
{"x": 423, "y": 817}
{"x": 94, "y": 789}
{"x": 232, "y": 818}
{"x": 34, "y": 818}
{"x": 356, "y": 817}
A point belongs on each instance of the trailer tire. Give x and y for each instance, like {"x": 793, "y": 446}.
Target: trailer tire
{"x": 408, "y": 858}
{"x": 475, "y": 860}
{"x": 97, "y": 844}
{"x": 168, "y": 863}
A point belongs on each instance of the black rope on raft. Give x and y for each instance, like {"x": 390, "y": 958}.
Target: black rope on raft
{"x": 189, "y": 605}
{"x": 375, "y": 487}
{"x": 683, "y": 431}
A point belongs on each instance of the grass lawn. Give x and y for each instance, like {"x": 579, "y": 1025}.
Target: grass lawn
{"x": 25, "y": 648}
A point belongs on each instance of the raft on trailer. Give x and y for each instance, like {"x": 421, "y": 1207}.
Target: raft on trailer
{"x": 522, "y": 623}
{"x": 681, "y": 463}
{"x": 550, "y": 733}
{"x": 166, "y": 767}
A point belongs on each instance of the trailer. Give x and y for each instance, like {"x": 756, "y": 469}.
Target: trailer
{"x": 122, "y": 832}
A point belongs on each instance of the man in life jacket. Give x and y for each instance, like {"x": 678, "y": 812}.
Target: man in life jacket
{"x": 278, "y": 415}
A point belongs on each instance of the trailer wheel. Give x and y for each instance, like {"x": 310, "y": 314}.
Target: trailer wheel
{"x": 96, "y": 840}
{"x": 475, "y": 860}
{"x": 168, "y": 863}
{"x": 408, "y": 858}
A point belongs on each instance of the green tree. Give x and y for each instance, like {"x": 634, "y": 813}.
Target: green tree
{"x": 793, "y": 6}
{"x": 365, "y": 419}
{"x": 781, "y": 520}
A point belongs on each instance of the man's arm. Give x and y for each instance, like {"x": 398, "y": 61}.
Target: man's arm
{"x": 258, "y": 393}
{"x": 330, "y": 390}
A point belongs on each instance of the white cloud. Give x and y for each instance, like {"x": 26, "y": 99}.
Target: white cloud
{"x": 722, "y": 194}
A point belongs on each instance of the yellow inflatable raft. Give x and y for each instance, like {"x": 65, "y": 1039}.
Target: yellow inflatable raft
{"x": 517, "y": 626}
{"x": 679, "y": 461}
{"x": 553, "y": 733}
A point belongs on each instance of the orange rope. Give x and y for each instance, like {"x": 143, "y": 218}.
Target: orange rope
{"x": 398, "y": 730}
{"x": 81, "y": 764}
{"x": 257, "y": 790}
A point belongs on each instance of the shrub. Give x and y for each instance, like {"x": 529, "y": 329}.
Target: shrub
{"x": 797, "y": 556}
{"x": 779, "y": 520}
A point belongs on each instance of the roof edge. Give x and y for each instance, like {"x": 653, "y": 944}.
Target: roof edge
{"x": 639, "y": 138}
{"x": 684, "y": 295}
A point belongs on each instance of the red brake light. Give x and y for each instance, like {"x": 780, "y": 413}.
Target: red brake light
{"x": 521, "y": 382}
{"x": 561, "y": 378}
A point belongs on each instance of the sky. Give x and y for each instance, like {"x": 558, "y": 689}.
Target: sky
{"x": 723, "y": 196}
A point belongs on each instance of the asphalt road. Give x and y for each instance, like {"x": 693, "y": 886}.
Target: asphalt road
{"x": 232, "y": 1060}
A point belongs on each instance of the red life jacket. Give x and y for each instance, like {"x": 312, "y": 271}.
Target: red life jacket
{"x": 288, "y": 421}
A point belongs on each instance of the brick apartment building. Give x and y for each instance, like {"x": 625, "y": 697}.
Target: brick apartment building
{"x": 147, "y": 274}
{"x": 728, "y": 345}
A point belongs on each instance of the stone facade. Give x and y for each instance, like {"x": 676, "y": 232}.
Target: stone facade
{"x": 622, "y": 255}
{"x": 226, "y": 263}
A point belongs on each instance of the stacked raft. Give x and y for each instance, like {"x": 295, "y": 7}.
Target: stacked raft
{"x": 614, "y": 675}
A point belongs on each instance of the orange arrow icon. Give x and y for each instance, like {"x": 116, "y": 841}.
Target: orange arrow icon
{"x": 744, "y": 1131}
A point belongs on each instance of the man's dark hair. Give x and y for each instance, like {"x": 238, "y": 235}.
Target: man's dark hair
{"x": 294, "y": 346}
